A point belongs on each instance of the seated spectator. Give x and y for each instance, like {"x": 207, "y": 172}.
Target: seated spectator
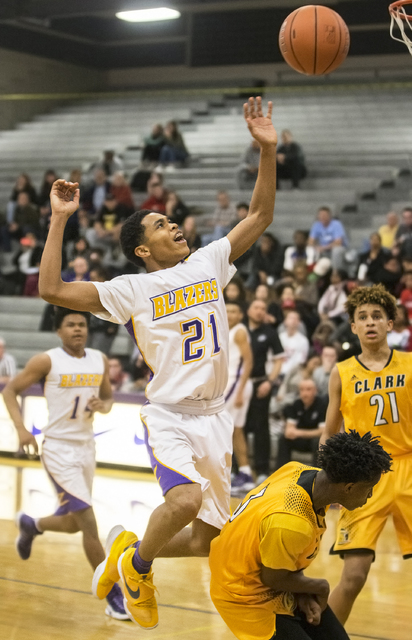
{"x": 190, "y": 234}
{"x": 50, "y": 176}
{"x": 328, "y": 236}
{"x": 372, "y": 262}
{"x": 152, "y": 146}
{"x": 249, "y": 165}
{"x": 121, "y": 191}
{"x": 400, "y": 336}
{"x": 305, "y": 422}
{"x": 388, "y": 231}
{"x": 26, "y": 218}
{"x": 289, "y": 389}
{"x": 174, "y": 151}
{"x": 294, "y": 343}
{"x": 157, "y": 195}
{"x": 321, "y": 374}
{"x": 27, "y": 260}
{"x": 8, "y": 365}
{"x": 24, "y": 184}
{"x": 406, "y": 294}
{"x": 332, "y": 304}
{"x": 94, "y": 196}
{"x": 106, "y": 229}
{"x": 176, "y": 210}
{"x": 390, "y": 276}
{"x": 345, "y": 341}
{"x": 79, "y": 271}
{"x": 274, "y": 314}
{"x": 322, "y": 335}
{"x": 110, "y": 163}
{"x": 222, "y": 219}
{"x": 267, "y": 261}
{"x": 299, "y": 251}
{"x": 235, "y": 291}
{"x": 305, "y": 291}
{"x": 290, "y": 161}
{"x": 96, "y": 257}
{"x": 120, "y": 381}
{"x": 403, "y": 237}
{"x": 79, "y": 248}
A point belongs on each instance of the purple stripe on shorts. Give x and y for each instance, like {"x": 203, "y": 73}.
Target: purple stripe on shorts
{"x": 130, "y": 330}
{"x": 232, "y": 388}
{"x": 68, "y": 503}
{"x": 167, "y": 478}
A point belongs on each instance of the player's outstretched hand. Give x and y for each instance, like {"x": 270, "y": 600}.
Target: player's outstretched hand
{"x": 64, "y": 198}
{"x": 259, "y": 125}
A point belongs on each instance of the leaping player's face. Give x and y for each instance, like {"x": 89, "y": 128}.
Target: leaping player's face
{"x": 371, "y": 324}
{"x": 73, "y": 332}
{"x": 164, "y": 245}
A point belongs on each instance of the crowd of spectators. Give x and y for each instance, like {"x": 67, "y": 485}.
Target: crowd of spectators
{"x": 296, "y": 292}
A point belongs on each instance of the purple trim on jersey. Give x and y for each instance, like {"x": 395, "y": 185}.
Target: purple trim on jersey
{"x": 166, "y": 477}
{"x": 130, "y": 330}
{"x": 68, "y": 503}
{"x": 232, "y": 388}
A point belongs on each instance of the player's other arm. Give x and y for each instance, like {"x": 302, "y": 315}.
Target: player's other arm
{"x": 37, "y": 368}
{"x": 79, "y": 296}
{"x": 296, "y": 582}
{"x": 334, "y": 418}
{"x": 260, "y": 215}
{"x": 104, "y": 402}
{"x": 247, "y": 358}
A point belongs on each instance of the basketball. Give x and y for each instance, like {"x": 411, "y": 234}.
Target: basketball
{"x": 314, "y": 40}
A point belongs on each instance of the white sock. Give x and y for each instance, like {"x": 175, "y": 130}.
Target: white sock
{"x": 36, "y": 524}
{"x": 246, "y": 469}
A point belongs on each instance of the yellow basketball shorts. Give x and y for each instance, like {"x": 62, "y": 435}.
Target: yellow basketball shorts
{"x": 360, "y": 529}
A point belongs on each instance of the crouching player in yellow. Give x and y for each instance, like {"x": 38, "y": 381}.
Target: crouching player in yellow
{"x": 258, "y": 585}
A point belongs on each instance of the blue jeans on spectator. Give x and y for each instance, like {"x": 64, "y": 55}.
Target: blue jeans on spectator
{"x": 169, "y": 154}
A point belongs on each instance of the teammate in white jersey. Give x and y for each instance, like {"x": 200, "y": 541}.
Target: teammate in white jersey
{"x": 76, "y": 384}
{"x": 238, "y": 393}
{"x": 177, "y": 316}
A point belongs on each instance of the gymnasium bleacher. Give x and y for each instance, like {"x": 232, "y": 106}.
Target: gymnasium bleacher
{"x": 357, "y": 145}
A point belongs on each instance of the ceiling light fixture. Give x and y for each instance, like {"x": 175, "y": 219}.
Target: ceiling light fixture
{"x": 149, "y": 15}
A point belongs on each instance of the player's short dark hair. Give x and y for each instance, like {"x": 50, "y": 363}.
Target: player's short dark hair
{"x": 377, "y": 294}
{"x": 349, "y": 457}
{"x": 61, "y": 312}
{"x": 132, "y": 235}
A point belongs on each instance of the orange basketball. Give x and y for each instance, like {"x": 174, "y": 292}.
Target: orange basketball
{"x": 314, "y": 40}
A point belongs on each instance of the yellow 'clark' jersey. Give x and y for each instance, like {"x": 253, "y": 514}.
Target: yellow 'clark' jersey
{"x": 380, "y": 402}
{"x": 275, "y": 526}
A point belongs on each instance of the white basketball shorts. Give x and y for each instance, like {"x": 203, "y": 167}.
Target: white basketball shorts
{"x": 70, "y": 466}
{"x": 185, "y": 449}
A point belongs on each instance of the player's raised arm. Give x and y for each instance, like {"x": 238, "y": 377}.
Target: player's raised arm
{"x": 263, "y": 200}
{"x": 334, "y": 417}
{"x": 80, "y": 296}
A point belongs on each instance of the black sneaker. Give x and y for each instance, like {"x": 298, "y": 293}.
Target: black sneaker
{"x": 27, "y": 533}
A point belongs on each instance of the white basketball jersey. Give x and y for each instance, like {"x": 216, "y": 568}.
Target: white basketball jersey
{"x": 68, "y": 388}
{"x": 178, "y": 318}
{"x": 235, "y": 357}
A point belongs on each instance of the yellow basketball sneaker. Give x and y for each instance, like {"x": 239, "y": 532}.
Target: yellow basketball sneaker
{"x": 106, "y": 574}
{"x": 139, "y": 598}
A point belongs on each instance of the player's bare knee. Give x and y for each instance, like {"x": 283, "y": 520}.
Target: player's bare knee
{"x": 355, "y": 575}
{"x": 185, "y": 501}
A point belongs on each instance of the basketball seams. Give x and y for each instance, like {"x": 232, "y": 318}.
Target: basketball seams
{"x": 290, "y": 42}
{"x": 341, "y": 28}
{"x": 315, "y": 49}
